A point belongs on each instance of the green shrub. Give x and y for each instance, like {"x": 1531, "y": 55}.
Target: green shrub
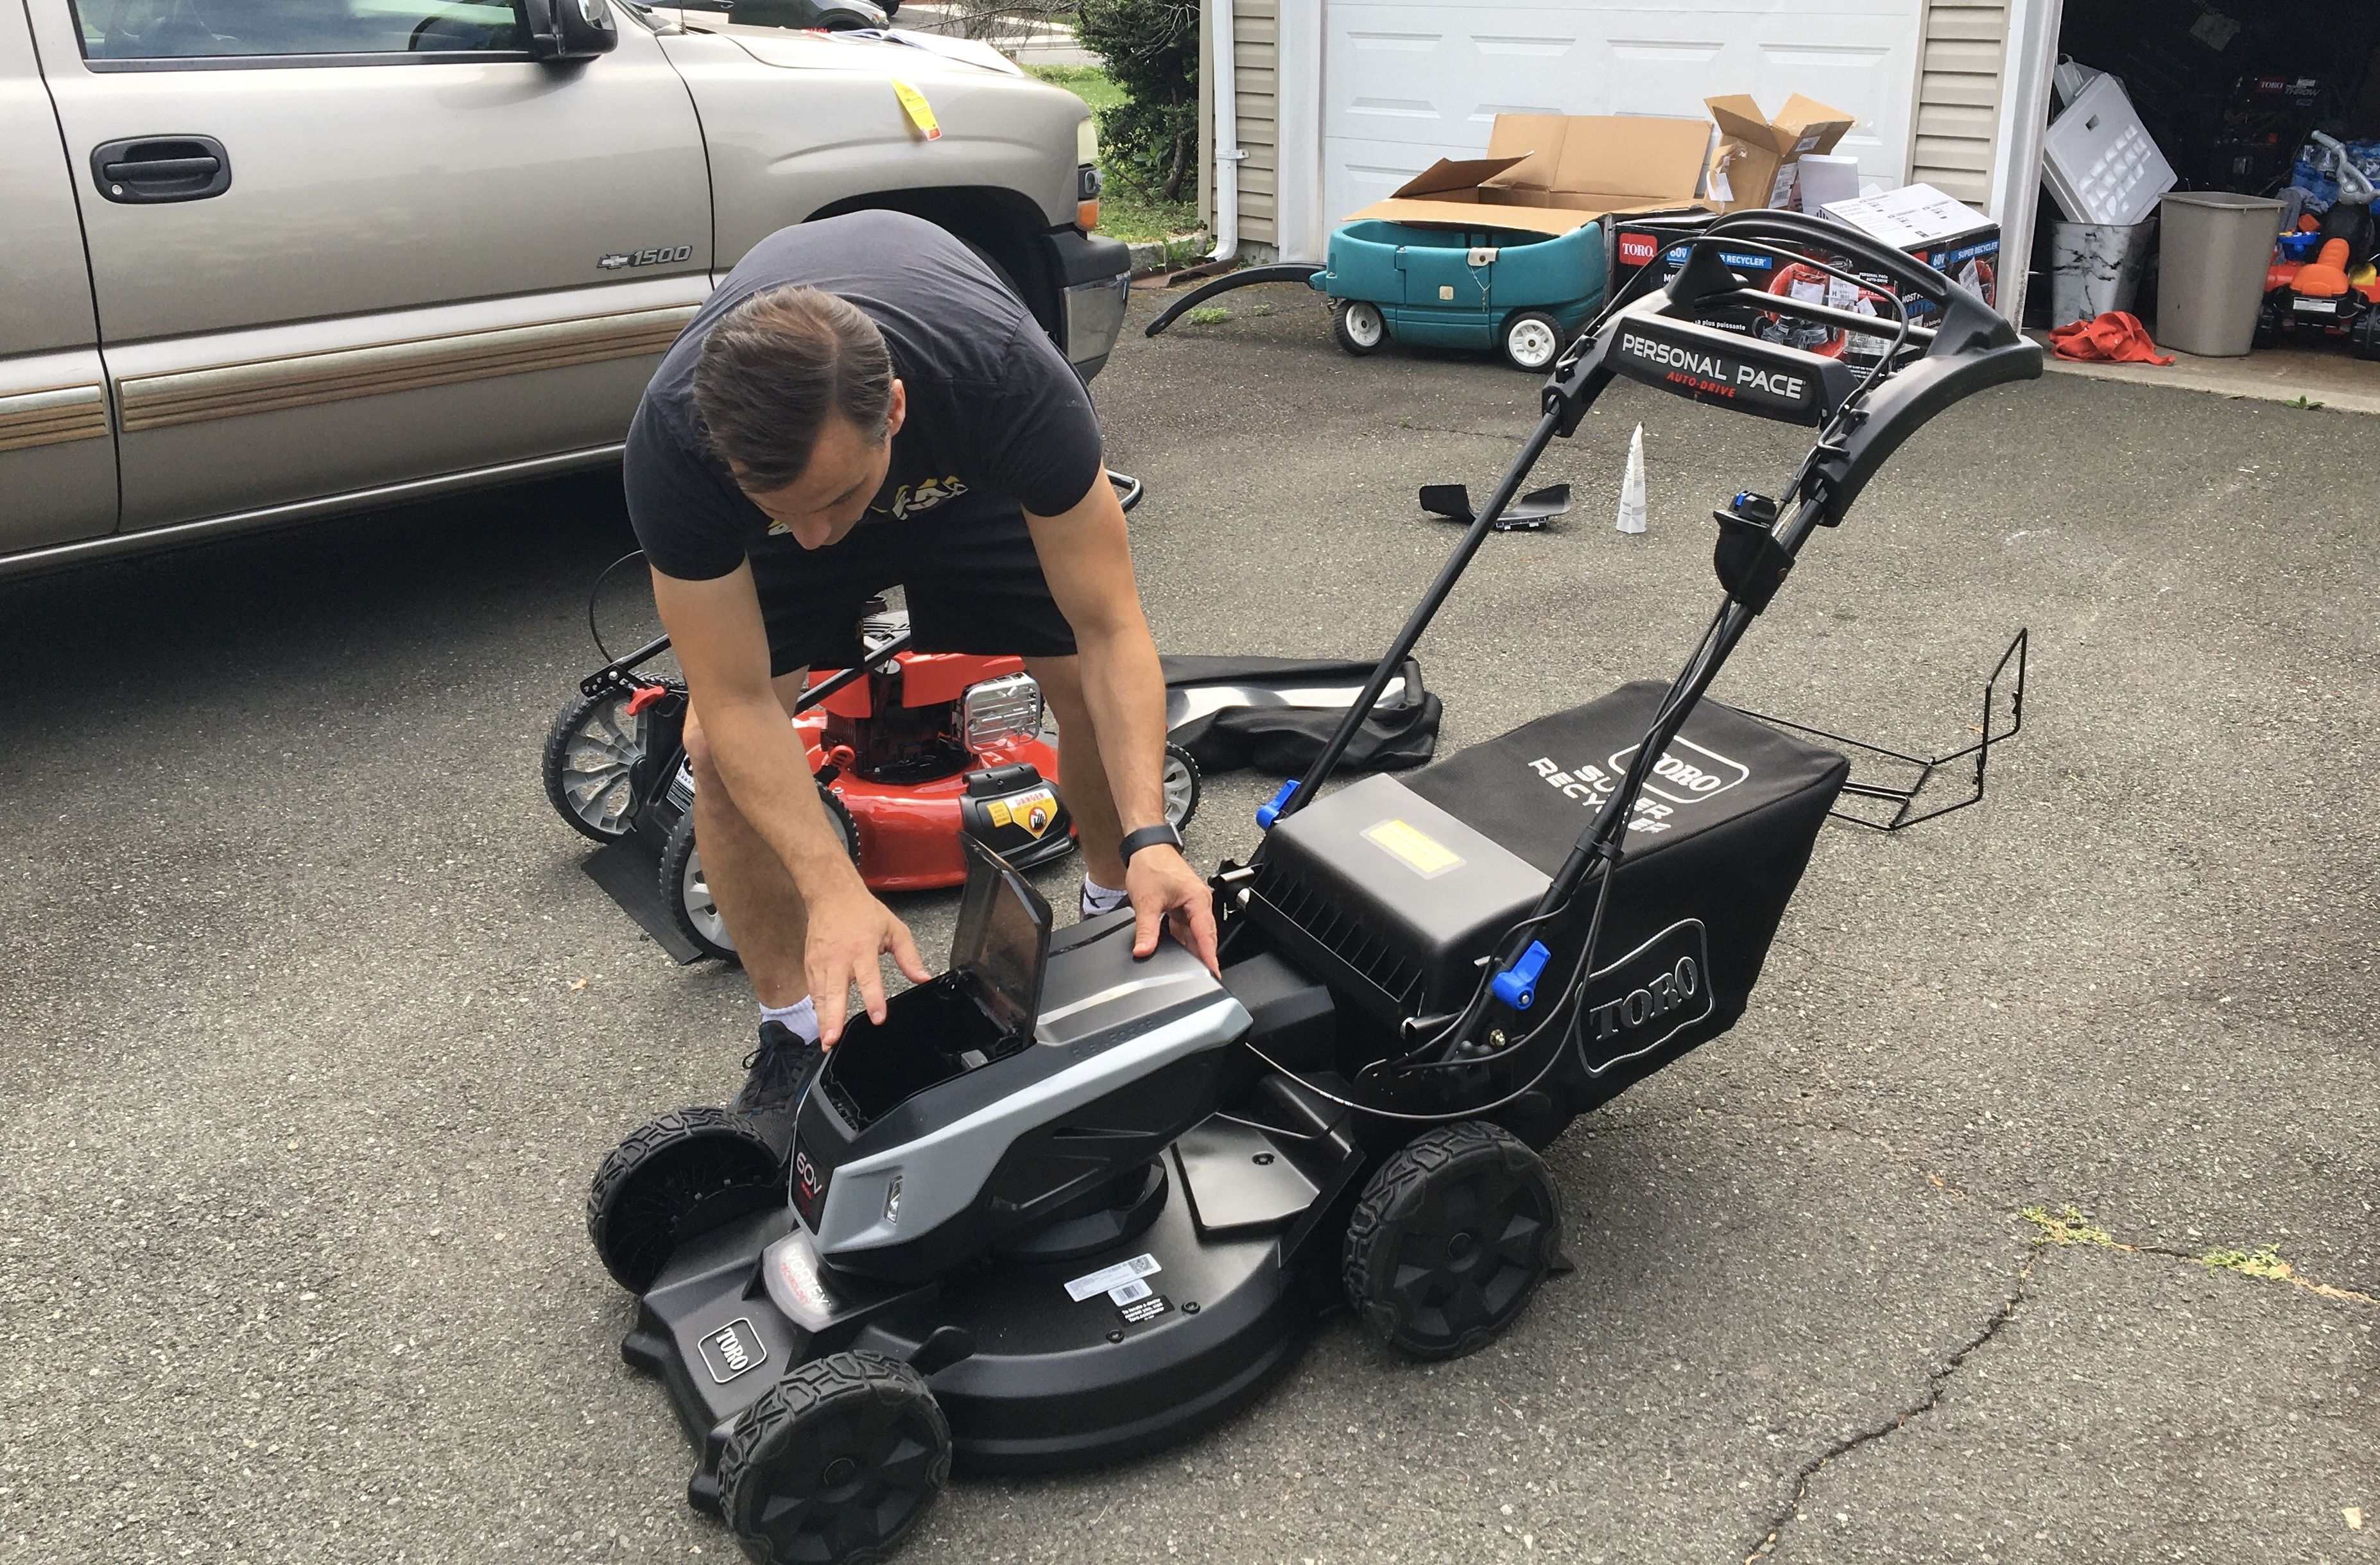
{"x": 1151, "y": 49}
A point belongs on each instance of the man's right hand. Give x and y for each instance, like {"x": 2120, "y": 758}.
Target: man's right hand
{"x": 850, "y": 931}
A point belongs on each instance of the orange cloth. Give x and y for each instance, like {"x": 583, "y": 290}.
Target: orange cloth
{"x": 2114, "y": 338}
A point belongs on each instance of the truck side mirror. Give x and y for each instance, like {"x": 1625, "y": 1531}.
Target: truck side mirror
{"x": 570, "y": 29}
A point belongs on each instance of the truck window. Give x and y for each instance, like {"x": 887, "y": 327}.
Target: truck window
{"x": 186, "y": 30}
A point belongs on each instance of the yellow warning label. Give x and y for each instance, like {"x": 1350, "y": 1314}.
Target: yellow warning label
{"x": 1035, "y": 811}
{"x": 1424, "y": 853}
{"x": 920, "y": 112}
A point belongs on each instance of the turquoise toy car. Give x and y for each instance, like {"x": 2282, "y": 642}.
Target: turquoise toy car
{"x": 1522, "y": 294}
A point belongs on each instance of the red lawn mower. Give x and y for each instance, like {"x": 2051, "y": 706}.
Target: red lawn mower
{"x": 912, "y": 751}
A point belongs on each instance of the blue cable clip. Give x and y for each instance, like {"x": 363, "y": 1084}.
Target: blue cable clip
{"x": 1517, "y": 985}
{"x": 1270, "y": 811}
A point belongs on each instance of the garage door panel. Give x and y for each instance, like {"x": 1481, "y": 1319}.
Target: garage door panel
{"x": 1410, "y": 82}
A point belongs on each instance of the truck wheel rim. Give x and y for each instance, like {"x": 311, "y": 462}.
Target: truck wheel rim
{"x": 596, "y": 763}
{"x": 1363, "y": 322}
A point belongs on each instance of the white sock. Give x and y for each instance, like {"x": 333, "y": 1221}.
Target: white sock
{"x": 801, "y": 1016}
{"x": 1099, "y": 899}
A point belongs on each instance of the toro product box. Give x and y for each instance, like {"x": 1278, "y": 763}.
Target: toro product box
{"x": 1551, "y": 173}
{"x": 1953, "y": 239}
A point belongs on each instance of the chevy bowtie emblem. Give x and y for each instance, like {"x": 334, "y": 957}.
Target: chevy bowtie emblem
{"x": 613, "y": 263}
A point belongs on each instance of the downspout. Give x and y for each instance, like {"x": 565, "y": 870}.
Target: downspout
{"x": 1227, "y": 135}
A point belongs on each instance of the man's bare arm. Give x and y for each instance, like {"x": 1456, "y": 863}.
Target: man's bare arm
{"x": 716, "y": 631}
{"x": 1086, "y": 557}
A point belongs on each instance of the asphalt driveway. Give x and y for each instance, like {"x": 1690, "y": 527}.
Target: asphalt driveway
{"x": 2028, "y": 1216}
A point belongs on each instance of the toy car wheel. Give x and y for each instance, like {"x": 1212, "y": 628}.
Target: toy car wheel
{"x": 2364, "y": 337}
{"x": 686, "y": 891}
{"x": 1181, "y": 787}
{"x": 2271, "y": 320}
{"x": 1532, "y": 340}
{"x": 1453, "y": 1235}
{"x": 1358, "y": 326}
{"x": 835, "y": 1463}
{"x": 589, "y": 752}
{"x": 670, "y": 1179}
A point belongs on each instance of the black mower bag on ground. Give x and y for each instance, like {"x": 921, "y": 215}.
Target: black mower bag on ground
{"x": 1275, "y": 714}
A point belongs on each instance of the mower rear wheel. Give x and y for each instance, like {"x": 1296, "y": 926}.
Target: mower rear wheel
{"x": 686, "y": 891}
{"x": 1358, "y": 326}
{"x": 1453, "y": 1234}
{"x": 670, "y": 1179}
{"x": 1532, "y": 340}
{"x": 835, "y": 1463}
{"x": 589, "y": 752}
{"x": 1181, "y": 786}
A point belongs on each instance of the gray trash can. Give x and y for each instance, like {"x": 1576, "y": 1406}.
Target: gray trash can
{"x": 2211, "y": 280}
{"x": 2096, "y": 267}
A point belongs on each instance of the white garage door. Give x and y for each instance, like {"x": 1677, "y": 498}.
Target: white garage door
{"x": 1408, "y": 82}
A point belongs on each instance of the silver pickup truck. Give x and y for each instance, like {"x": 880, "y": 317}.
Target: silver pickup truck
{"x": 268, "y": 259}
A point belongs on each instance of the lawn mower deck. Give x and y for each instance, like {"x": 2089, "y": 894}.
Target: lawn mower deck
{"x": 1062, "y": 1206}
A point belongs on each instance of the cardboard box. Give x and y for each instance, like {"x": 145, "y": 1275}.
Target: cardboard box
{"x": 1549, "y": 174}
{"x": 1756, "y": 155}
{"x": 1965, "y": 252}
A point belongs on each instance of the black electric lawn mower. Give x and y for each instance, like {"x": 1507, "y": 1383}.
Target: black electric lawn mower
{"x": 1063, "y": 1206}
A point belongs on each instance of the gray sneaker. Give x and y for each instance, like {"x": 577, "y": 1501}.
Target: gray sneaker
{"x": 778, "y": 1070}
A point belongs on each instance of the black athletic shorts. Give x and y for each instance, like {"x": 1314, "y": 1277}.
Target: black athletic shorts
{"x": 974, "y": 585}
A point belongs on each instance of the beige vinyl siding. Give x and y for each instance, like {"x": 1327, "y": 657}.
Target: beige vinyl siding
{"x": 1256, "y": 58}
{"x": 1959, "y": 68}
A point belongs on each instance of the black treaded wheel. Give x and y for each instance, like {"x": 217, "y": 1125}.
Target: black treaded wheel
{"x": 2364, "y": 337}
{"x": 1181, "y": 781}
{"x": 686, "y": 892}
{"x": 588, "y": 752}
{"x": 835, "y": 1463}
{"x": 1358, "y": 326}
{"x": 2270, "y": 317}
{"x": 671, "y": 1178}
{"x": 1453, "y": 1234}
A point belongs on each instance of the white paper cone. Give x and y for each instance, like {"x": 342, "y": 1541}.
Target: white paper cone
{"x": 1632, "y": 488}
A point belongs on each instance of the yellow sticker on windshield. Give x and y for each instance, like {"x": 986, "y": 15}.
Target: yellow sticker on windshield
{"x": 920, "y": 112}
{"x": 1423, "y": 852}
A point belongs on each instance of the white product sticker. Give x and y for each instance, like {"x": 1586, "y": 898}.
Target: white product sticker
{"x": 1124, "y": 1293}
{"x": 1115, "y": 1276}
{"x": 1780, "y": 194}
{"x": 1720, "y": 190}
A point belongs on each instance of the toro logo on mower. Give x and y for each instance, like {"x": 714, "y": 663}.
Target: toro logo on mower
{"x": 1647, "y": 997}
{"x": 1697, "y": 773}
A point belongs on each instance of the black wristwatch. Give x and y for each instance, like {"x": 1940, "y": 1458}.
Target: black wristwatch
{"x": 1150, "y": 837}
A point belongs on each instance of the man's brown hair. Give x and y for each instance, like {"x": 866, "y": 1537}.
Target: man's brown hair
{"x": 771, "y": 370}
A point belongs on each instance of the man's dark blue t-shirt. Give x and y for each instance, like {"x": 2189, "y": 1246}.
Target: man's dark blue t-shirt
{"x": 997, "y": 418}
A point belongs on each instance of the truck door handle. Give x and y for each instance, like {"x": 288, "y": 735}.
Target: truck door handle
{"x": 161, "y": 168}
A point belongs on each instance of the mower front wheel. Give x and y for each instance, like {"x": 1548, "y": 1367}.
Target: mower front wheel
{"x": 1358, "y": 326}
{"x": 1532, "y": 340}
{"x": 1181, "y": 787}
{"x": 686, "y": 891}
{"x": 1453, "y": 1234}
{"x": 835, "y": 1463}
{"x": 670, "y": 1179}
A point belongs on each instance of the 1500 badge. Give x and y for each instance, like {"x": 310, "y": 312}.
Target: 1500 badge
{"x": 660, "y": 255}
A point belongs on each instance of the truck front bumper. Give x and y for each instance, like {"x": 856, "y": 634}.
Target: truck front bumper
{"x": 1094, "y": 277}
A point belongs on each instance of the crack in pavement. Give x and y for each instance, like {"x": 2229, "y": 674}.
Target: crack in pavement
{"x": 1937, "y": 1381}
